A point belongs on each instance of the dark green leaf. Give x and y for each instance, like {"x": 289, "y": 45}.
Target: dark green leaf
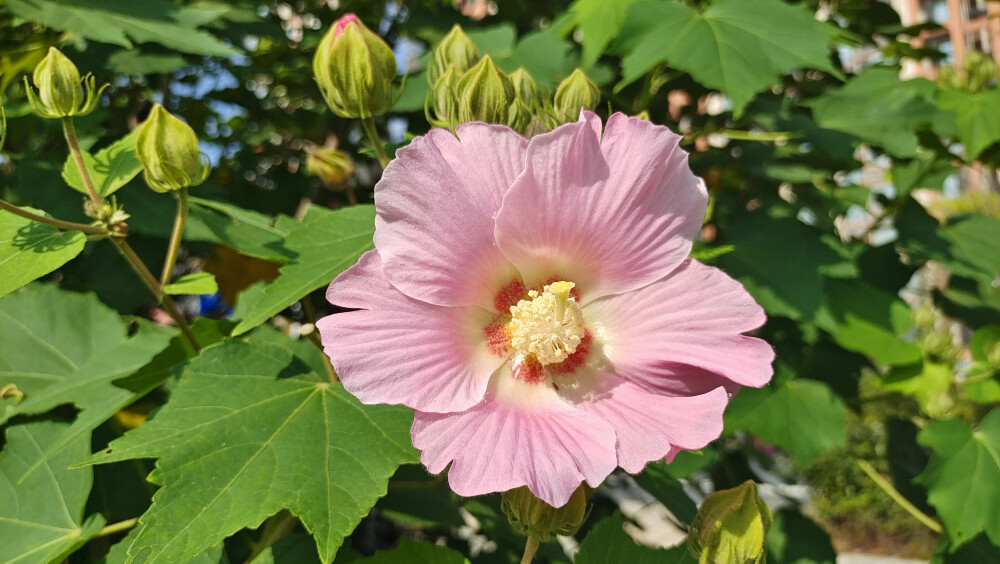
{"x": 962, "y": 475}
{"x": 414, "y": 552}
{"x": 249, "y": 431}
{"x": 657, "y": 480}
{"x": 607, "y": 543}
{"x": 794, "y": 539}
{"x": 870, "y": 321}
{"x": 30, "y": 249}
{"x": 326, "y": 243}
{"x": 41, "y": 517}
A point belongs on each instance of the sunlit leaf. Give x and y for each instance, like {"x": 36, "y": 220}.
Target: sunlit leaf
{"x": 31, "y": 249}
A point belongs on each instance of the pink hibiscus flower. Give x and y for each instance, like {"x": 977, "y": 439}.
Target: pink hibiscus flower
{"x": 534, "y": 303}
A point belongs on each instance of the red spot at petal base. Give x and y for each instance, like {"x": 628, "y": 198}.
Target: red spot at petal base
{"x": 509, "y": 295}
{"x": 578, "y": 357}
{"x": 497, "y": 336}
{"x": 529, "y": 370}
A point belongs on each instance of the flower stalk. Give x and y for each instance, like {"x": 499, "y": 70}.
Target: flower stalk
{"x": 74, "y": 148}
{"x": 530, "y": 548}
{"x": 61, "y": 224}
{"x": 175, "y": 236}
{"x": 372, "y": 133}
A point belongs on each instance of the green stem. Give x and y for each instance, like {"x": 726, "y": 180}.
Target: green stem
{"x": 74, "y": 148}
{"x": 372, "y": 133}
{"x": 276, "y": 527}
{"x": 892, "y": 492}
{"x": 157, "y": 290}
{"x": 67, "y": 225}
{"x": 118, "y": 527}
{"x": 530, "y": 548}
{"x": 175, "y": 236}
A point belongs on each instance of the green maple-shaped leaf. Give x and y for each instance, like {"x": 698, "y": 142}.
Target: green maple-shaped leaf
{"x": 324, "y": 244}
{"x": 870, "y": 321}
{"x": 599, "y": 21}
{"x": 734, "y": 46}
{"x": 962, "y": 477}
{"x": 62, "y": 347}
{"x": 41, "y": 501}
{"x": 31, "y": 249}
{"x": 123, "y": 22}
{"x": 802, "y": 416}
{"x": 251, "y": 430}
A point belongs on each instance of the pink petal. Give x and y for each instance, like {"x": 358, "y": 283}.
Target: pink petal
{"x": 436, "y": 203}
{"x": 398, "y": 350}
{"x": 611, "y": 214}
{"x": 522, "y": 434}
{"x": 675, "y": 333}
{"x": 648, "y": 426}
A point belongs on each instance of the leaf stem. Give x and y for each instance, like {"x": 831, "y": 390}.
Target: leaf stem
{"x": 118, "y": 527}
{"x": 892, "y": 492}
{"x": 372, "y": 133}
{"x": 69, "y": 130}
{"x": 157, "y": 290}
{"x": 175, "y": 236}
{"x": 67, "y": 225}
{"x": 530, "y": 548}
{"x": 277, "y": 526}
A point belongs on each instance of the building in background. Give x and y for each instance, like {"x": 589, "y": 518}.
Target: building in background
{"x": 966, "y": 25}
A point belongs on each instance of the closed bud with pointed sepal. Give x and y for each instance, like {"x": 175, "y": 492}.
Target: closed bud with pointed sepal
{"x": 576, "y": 92}
{"x": 484, "y": 93}
{"x": 332, "y": 166}
{"x": 730, "y": 527}
{"x": 168, "y": 150}
{"x": 441, "y": 107}
{"x": 61, "y": 91}
{"x": 525, "y": 89}
{"x": 456, "y": 51}
{"x": 533, "y": 517}
{"x": 354, "y": 69}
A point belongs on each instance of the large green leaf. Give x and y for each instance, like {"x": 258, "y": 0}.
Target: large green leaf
{"x": 976, "y": 117}
{"x": 41, "y": 513}
{"x": 413, "y": 552}
{"x": 248, "y": 431}
{"x": 968, "y": 245}
{"x": 249, "y": 232}
{"x": 779, "y": 260}
{"x": 64, "y": 348}
{"x": 30, "y": 249}
{"x": 870, "y": 321}
{"x": 878, "y": 107}
{"x": 801, "y": 416}
{"x": 110, "y": 169}
{"x": 734, "y": 46}
{"x": 599, "y": 21}
{"x": 962, "y": 477}
{"x": 123, "y": 22}
{"x": 325, "y": 243}
{"x": 607, "y": 543}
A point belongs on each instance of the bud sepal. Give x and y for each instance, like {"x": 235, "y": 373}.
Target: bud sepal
{"x": 61, "y": 91}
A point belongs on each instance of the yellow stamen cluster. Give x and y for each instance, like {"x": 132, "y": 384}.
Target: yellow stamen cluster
{"x": 548, "y": 325}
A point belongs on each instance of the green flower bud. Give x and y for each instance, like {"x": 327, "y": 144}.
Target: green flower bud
{"x": 61, "y": 90}
{"x": 535, "y": 518}
{"x": 484, "y": 93}
{"x": 519, "y": 117}
{"x": 441, "y": 107}
{"x": 993, "y": 355}
{"x": 924, "y": 317}
{"x": 730, "y": 527}
{"x": 332, "y": 166}
{"x": 525, "y": 89}
{"x": 354, "y": 69}
{"x": 168, "y": 150}
{"x": 456, "y": 51}
{"x": 575, "y": 92}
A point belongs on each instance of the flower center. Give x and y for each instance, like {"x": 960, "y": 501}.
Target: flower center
{"x": 548, "y": 325}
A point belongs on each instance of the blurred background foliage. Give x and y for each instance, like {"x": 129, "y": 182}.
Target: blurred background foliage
{"x": 851, "y": 151}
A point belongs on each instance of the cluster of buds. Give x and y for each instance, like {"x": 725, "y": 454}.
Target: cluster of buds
{"x": 354, "y": 69}
{"x": 466, "y": 87}
{"x": 61, "y": 91}
{"x": 108, "y": 214}
{"x": 168, "y": 150}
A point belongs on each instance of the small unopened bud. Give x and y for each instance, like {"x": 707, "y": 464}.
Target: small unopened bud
{"x": 730, "y": 527}
{"x": 168, "y": 150}
{"x": 456, "y": 51}
{"x": 354, "y": 69}
{"x": 525, "y": 89}
{"x": 535, "y": 518}
{"x": 577, "y": 91}
{"x": 441, "y": 107}
{"x": 332, "y": 166}
{"x": 61, "y": 90}
{"x": 484, "y": 93}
